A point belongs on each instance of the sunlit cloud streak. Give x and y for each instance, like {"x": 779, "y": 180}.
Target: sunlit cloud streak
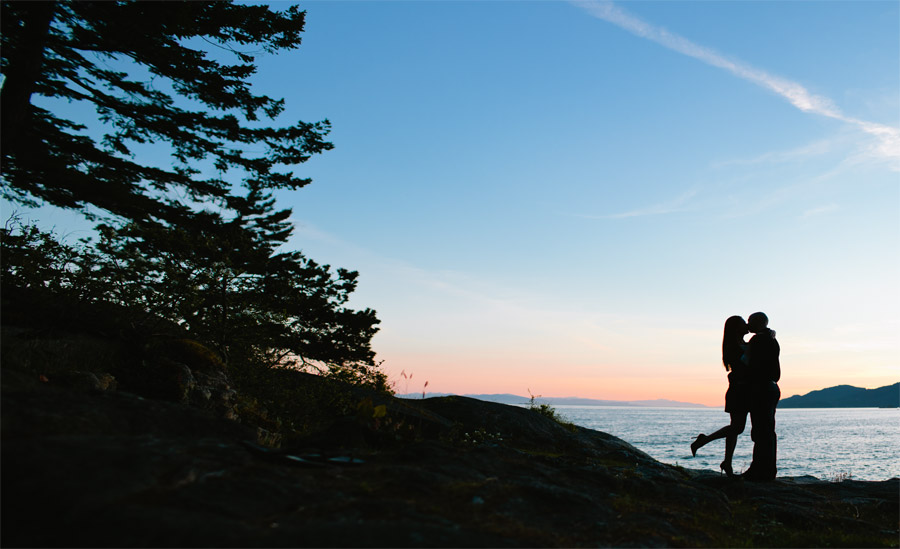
{"x": 887, "y": 138}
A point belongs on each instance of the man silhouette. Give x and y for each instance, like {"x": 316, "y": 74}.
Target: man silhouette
{"x": 765, "y": 371}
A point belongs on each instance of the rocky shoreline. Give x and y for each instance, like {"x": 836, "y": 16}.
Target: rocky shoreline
{"x": 85, "y": 465}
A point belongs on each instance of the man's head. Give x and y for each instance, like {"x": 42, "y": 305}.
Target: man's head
{"x": 757, "y": 322}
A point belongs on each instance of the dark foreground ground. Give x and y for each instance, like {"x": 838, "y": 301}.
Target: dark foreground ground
{"x": 83, "y": 466}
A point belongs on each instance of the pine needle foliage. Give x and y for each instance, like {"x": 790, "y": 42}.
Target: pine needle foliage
{"x": 137, "y": 64}
{"x": 193, "y": 241}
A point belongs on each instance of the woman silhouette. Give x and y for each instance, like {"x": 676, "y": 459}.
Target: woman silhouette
{"x": 737, "y": 398}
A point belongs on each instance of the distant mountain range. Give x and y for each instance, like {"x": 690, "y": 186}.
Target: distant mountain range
{"x": 842, "y": 396}
{"x": 846, "y": 396}
{"x": 565, "y": 401}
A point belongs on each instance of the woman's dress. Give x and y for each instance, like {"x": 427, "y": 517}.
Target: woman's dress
{"x": 737, "y": 398}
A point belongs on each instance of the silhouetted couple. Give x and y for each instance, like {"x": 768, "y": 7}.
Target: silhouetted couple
{"x": 753, "y": 373}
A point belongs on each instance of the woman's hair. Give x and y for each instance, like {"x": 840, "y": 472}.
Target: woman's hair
{"x": 735, "y": 328}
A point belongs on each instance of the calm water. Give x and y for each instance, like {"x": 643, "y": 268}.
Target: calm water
{"x": 824, "y": 443}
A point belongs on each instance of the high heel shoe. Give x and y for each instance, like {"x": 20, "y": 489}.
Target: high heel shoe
{"x": 699, "y": 442}
{"x": 726, "y": 468}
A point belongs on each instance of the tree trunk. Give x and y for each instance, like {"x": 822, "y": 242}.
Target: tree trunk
{"x": 27, "y": 35}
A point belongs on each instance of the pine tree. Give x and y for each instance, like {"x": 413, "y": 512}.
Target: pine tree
{"x": 138, "y": 65}
{"x": 197, "y": 250}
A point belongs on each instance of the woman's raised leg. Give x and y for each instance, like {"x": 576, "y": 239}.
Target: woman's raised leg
{"x": 702, "y": 440}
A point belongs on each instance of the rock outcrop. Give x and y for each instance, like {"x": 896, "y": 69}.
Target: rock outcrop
{"x": 106, "y": 446}
{"x": 83, "y": 466}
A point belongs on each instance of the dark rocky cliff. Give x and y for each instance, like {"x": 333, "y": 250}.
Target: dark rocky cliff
{"x": 85, "y": 464}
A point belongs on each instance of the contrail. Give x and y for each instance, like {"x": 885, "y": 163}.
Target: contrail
{"x": 888, "y": 137}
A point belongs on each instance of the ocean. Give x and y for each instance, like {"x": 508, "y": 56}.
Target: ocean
{"x": 827, "y": 443}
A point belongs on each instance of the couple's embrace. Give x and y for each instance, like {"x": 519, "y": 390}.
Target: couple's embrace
{"x": 753, "y": 373}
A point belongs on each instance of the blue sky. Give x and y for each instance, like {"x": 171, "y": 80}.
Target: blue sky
{"x": 571, "y": 197}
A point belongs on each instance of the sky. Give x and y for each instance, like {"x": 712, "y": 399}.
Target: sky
{"x": 570, "y": 198}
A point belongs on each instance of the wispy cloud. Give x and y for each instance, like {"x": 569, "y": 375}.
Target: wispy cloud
{"x": 817, "y": 148}
{"x": 820, "y": 210}
{"x": 662, "y": 208}
{"x": 886, "y": 139}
